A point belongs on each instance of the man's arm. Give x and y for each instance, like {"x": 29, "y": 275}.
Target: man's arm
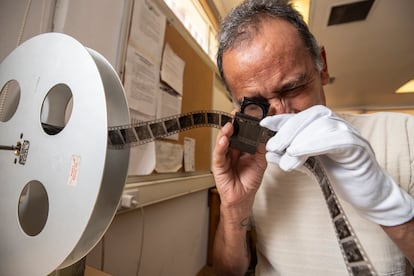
{"x": 403, "y": 237}
{"x": 238, "y": 176}
{"x": 231, "y": 250}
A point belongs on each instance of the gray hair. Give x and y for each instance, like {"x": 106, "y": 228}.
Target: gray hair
{"x": 244, "y": 22}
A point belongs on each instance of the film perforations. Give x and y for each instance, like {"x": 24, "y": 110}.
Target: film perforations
{"x": 185, "y": 122}
{"x": 199, "y": 118}
{"x": 143, "y": 133}
{"x": 354, "y": 256}
{"x": 139, "y": 133}
{"x": 172, "y": 125}
{"x": 128, "y": 135}
{"x": 157, "y": 129}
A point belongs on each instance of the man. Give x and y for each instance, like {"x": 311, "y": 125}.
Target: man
{"x": 267, "y": 52}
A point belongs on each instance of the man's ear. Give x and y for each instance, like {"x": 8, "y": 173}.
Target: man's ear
{"x": 324, "y": 73}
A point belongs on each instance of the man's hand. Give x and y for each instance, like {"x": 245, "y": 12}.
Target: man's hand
{"x": 238, "y": 175}
{"x": 347, "y": 157}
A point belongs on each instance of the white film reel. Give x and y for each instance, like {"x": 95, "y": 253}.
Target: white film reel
{"x": 59, "y": 190}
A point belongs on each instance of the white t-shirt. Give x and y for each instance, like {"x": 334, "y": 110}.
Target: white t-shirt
{"x": 295, "y": 235}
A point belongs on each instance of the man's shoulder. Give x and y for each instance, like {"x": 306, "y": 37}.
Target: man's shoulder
{"x": 391, "y": 135}
{"x": 367, "y": 117}
{"x": 380, "y": 121}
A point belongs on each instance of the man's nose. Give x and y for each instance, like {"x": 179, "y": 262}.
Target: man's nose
{"x": 278, "y": 106}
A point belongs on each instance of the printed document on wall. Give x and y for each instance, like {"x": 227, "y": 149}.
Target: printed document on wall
{"x": 189, "y": 154}
{"x": 172, "y": 69}
{"x": 169, "y": 157}
{"x": 141, "y": 82}
{"x": 147, "y": 30}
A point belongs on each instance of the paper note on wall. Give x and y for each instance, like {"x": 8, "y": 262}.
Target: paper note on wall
{"x": 142, "y": 159}
{"x": 141, "y": 82}
{"x": 147, "y": 30}
{"x": 189, "y": 154}
{"x": 169, "y": 157}
{"x": 172, "y": 69}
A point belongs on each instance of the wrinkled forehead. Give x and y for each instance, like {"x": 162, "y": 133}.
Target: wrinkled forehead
{"x": 275, "y": 43}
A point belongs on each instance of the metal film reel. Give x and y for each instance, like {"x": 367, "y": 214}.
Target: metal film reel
{"x": 60, "y": 189}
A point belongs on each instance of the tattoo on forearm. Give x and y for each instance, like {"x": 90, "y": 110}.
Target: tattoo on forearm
{"x": 245, "y": 222}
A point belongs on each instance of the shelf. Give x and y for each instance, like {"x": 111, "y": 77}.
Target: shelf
{"x": 160, "y": 187}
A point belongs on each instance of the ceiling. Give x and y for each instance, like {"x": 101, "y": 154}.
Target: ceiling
{"x": 369, "y": 59}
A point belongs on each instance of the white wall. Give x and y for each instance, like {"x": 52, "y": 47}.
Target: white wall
{"x": 101, "y": 25}
{"x": 98, "y": 24}
{"x": 174, "y": 239}
{"x": 21, "y": 20}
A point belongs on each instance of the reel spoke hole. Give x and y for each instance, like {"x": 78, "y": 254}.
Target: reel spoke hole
{"x": 33, "y": 208}
{"x": 9, "y": 100}
{"x": 56, "y": 109}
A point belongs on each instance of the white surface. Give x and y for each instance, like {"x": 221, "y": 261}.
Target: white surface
{"x": 171, "y": 229}
{"x": 101, "y": 25}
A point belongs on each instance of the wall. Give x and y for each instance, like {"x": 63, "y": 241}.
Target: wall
{"x": 167, "y": 238}
{"x": 221, "y": 101}
{"x": 102, "y": 25}
{"x": 21, "y": 20}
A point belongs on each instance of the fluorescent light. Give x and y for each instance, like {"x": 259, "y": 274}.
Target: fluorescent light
{"x": 408, "y": 87}
{"x": 302, "y": 6}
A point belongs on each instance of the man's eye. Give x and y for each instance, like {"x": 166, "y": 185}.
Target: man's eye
{"x": 293, "y": 91}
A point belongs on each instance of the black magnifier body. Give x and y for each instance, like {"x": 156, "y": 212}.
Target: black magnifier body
{"x": 248, "y": 134}
{"x": 254, "y": 107}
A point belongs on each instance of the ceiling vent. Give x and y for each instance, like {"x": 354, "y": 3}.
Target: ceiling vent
{"x": 346, "y": 13}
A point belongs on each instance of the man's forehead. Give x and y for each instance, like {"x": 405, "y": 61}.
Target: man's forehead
{"x": 270, "y": 47}
{"x": 275, "y": 34}
{"x": 278, "y": 27}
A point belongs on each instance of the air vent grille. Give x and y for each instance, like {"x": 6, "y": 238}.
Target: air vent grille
{"x": 346, "y": 13}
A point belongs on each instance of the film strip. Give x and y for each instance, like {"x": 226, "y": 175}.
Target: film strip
{"x": 139, "y": 133}
{"x": 355, "y": 258}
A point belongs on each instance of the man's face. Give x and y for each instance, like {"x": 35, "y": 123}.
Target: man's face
{"x": 275, "y": 66}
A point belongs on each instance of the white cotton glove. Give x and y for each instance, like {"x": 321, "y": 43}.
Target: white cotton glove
{"x": 347, "y": 157}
